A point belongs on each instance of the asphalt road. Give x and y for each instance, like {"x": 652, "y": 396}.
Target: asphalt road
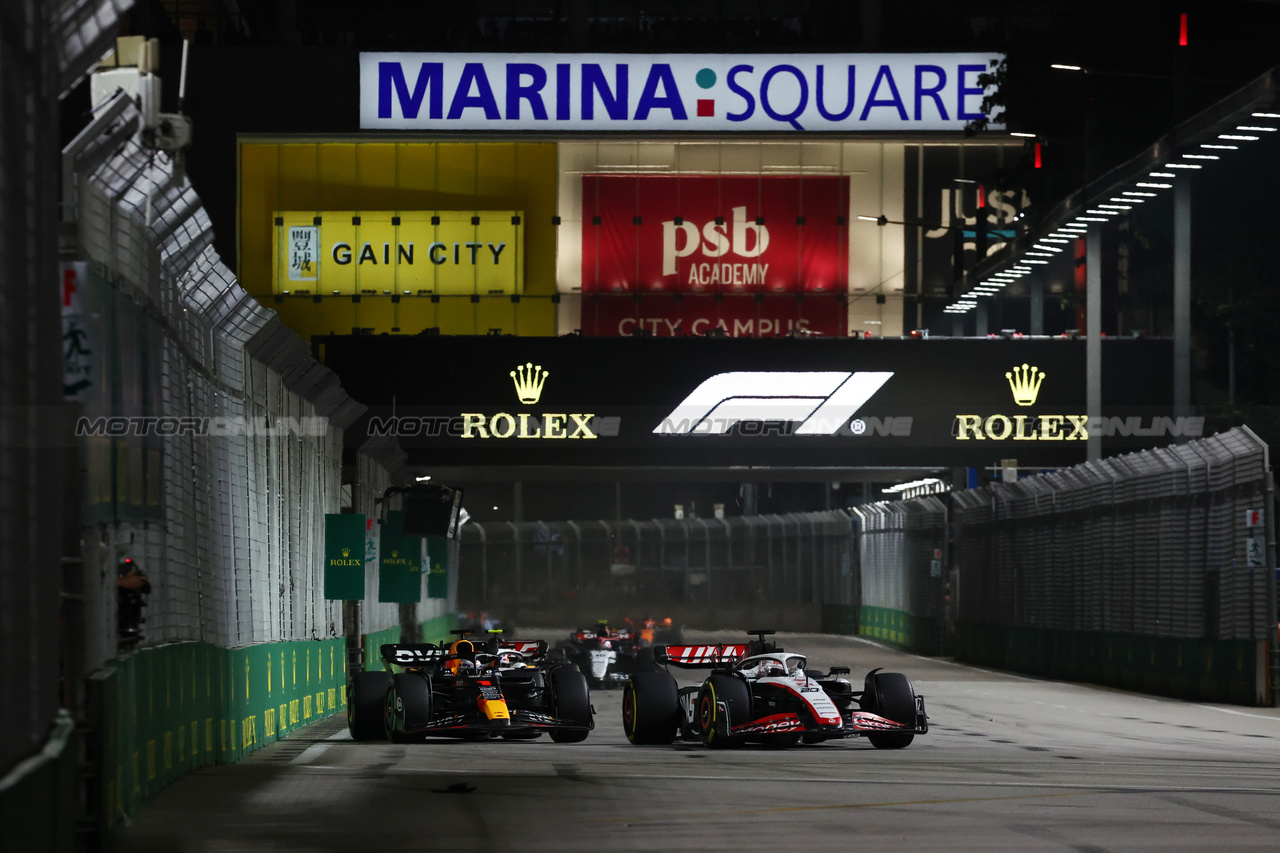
{"x": 1009, "y": 764}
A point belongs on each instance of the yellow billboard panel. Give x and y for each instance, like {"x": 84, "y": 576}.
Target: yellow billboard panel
{"x": 447, "y": 252}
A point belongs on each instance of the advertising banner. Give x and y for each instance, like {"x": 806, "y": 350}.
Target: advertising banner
{"x": 669, "y": 315}
{"x": 852, "y": 93}
{"x": 344, "y": 553}
{"x": 714, "y": 234}
{"x": 690, "y": 401}
{"x": 399, "y": 563}
{"x": 438, "y": 571}
{"x": 458, "y": 252}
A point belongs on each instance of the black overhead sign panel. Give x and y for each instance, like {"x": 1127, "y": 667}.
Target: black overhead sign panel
{"x": 740, "y": 402}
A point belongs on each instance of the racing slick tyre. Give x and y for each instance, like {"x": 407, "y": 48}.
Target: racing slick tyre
{"x": 736, "y": 696}
{"x": 572, "y": 703}
{"x": 365, "y": 697}
{"x": 894, "y": 699}
{"x": 650, "y": 708}
{"x": 408, "y": 707}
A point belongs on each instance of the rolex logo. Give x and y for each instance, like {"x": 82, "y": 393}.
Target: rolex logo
{"x": 346, "y": 552}
{"x": 529, "y": 379}
{"x": 1025, "y": 383}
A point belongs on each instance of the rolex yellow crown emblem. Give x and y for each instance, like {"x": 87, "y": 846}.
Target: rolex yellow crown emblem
{"x": 1025, "y": 383}
{"x": 529, "y": 379}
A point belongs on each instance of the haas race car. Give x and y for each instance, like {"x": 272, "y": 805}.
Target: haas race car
{"x": 758, "y": 692}
{"x": 471, "y": 689}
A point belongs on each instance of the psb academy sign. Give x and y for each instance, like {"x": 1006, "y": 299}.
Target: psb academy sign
{"x": 671, "y": 92}
{"x": 443, "y": 252}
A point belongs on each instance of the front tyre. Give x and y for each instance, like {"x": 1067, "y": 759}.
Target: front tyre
{"x": 365, "y": 695}
{"x": 736, "y": 697}
{"x": 650, "y": 708}
{"x": 408, "y": 707}
{"x": 894, "y": 700}
{"x": 572, "y": 704}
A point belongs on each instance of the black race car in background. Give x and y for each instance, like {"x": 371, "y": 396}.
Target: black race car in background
{"x": 758, "y": 692}
{"x": 472, "y": 689}
{"x": 607, "y": 656}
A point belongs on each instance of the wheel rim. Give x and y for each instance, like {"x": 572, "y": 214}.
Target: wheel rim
{"x": 706, "y": 712}
{"x": 629, "y": 710}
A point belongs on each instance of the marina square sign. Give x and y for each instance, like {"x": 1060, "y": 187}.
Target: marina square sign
{"x": 891, "y": 92}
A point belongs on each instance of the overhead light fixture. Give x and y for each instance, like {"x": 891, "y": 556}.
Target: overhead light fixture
{"x": 1163, "y": 175}
{"x": 1023, "y": 135}
{"x": 1054, "y": 240}
{"x": 1256, "y": 127}
{"x": 1266, "y": 115}
{"x": 1155, "y": 186}
{"x": 1221, "y": 147}
{"x": 1183, "y": 166}
{"x": 1202, "y": 156}
{"x": 1041, "y": 245}
{"x": 1037, "y": 262}
{"x": 1136, "y": 193}
{"x": 1116, "y": 206}
{"x": 1093, "y": 219}
{"x": 423, "y": 478}
{"x": 1238, "y": 137}
{"x": 1067, "y": 67}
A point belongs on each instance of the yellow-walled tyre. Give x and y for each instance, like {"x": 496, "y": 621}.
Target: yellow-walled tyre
{"x": 650, "y": 708}
{"x": 735, "y": 695}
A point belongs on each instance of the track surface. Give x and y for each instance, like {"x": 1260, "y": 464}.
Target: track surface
{"x": 1010, "y": 763}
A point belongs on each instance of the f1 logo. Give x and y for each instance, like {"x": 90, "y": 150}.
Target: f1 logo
{"x": 823, "y": 400}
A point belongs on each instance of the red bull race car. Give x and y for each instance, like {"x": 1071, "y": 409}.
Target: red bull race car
{"x": 758, "y": 692}
{"x": 472, "y": 689}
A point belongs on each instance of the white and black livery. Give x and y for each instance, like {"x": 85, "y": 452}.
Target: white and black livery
{"x": 759, "y": 692}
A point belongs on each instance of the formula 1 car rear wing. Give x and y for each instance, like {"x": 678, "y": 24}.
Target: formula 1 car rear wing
{"x": 411, "y": 654}
{"x": 526, "y": 648}
{"x": 704, "y": 655}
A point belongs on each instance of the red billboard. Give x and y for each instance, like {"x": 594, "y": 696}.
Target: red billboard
{"x": 710, "y": 234}
{"x": 673, "y": 314}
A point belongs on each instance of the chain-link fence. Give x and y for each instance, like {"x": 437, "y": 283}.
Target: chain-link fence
{"x": 221, "y": 500}
{"x": 1153, "y": 543}
{"x": 900, "y": 557}
{"x": 625, "y": 566}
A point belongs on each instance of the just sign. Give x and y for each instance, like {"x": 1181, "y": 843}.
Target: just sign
{"x": 680, "y": 92}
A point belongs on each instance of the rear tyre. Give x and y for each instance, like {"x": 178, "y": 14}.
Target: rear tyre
{"x": 650, "y": 708}
{"x": 365, "y": 696}
{"x": 572, "y": 704}
{"x": 894, "y": 699}
{"x": 408, "y": 707}
{"x": 736, "y": 696}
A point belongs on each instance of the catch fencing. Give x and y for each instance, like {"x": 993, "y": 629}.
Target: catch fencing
{"x": 1152, "y": 543}
{"x": 615, "y": 567}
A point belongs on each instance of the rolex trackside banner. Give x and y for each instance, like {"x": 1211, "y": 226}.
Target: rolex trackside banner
{"x": 894, "y": 92}
{"x": 702, "y": 401}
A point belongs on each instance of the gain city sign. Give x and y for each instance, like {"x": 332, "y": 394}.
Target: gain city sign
{"x": 895, "y": 92}
{"x": 443, "y": 251}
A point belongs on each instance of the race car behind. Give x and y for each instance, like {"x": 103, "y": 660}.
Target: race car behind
{"x": 759, "y": 692}
{"x": 471, "y": 689}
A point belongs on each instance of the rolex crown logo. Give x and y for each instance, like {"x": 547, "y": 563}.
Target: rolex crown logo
{"x": 346, "y": 552}
{"x": 395, "y": 554}
{"x": 529, "y": 379}
{"x": 1025, "y": 383}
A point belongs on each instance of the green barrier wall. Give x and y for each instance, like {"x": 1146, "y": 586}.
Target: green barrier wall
{"x": 165, "y": 711}
{"x": 916, "y": 633}
{"x": 1228, "y": 671}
